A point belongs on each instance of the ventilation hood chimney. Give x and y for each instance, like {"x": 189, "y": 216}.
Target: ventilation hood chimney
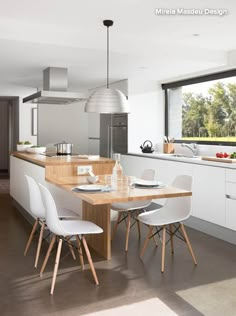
{"x": 55, "y": 83}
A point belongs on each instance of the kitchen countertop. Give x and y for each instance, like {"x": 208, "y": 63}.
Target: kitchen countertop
{"x": 184, "y": 159}
{"x": 42, "y": 160}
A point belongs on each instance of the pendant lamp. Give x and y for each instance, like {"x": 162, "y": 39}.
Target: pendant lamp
{"x": 107, "y": 100}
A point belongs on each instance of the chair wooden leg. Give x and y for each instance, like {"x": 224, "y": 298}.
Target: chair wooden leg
{"x": 138, "y": 225}
{"x": 90, "y": 260}
{"x": 127, "y": 232}
{"x": 56, "y": 266}
{"x": 80, "y": 251}
{"x": 116, "y": 225}
{"x": 171, "y": 238}
{"x": 163, "y": 249}
{"x": 146, "y": 240}
{"x": 155, "y": 240}
{"x": 48, "y": 254}
{"x": 71, "y": 248}
{"x": 31, "y": 236}
{"x": 188, "y": 243}
{"x": 39, "y": 244}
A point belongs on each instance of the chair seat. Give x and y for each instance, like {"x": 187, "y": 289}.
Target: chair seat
{"x": 67, "y": 213}
{"x": 160, "y": 217}
{"x": 130, "y": 206}
{"x": 77, "y": 227}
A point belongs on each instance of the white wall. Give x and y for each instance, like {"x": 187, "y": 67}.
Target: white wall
{"x": 57, "y": 123}
{"x": 24, "y": 109}
{"x": 146, "y": 118}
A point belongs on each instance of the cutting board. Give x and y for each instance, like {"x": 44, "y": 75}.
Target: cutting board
{"x": 227, "y": 160}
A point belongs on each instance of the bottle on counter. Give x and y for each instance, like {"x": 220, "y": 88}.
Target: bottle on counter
{"x": 117, "y": 171}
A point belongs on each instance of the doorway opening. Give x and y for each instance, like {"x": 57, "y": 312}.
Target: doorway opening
{"x": 9, "y": 131}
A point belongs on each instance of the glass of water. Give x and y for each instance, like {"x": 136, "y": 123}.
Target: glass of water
{"x": 131, "y": 181}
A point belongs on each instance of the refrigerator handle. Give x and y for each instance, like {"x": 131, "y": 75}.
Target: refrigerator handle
{"x": 109, "y": 147}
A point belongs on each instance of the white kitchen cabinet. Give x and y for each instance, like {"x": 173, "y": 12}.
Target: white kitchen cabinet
{"x": 230, "y": 213}
{"x": 230, "y": 197}
{"x": 209, "y": 194}
{"x": 208, "y": 202}
{"x": 19, "y": 190}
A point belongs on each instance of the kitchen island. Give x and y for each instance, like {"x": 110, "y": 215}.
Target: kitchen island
{"x": 41, "y": 167}
{"x": 61, "y": 177}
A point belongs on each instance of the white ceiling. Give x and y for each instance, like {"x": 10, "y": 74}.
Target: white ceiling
{"x": 70, "y": 33}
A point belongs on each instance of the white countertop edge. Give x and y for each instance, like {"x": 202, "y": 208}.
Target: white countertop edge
{"x": 197, "y": 160}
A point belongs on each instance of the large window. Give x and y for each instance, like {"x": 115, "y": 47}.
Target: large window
{"x": 202, "y": 109}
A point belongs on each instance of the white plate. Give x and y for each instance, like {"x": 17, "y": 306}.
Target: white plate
{"x": 91, "y": 187}
{"x": 148, "y": 183}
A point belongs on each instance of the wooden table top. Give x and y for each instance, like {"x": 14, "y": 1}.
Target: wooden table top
{"x": 43, "y": 160}
{"x": 122, "y": 194}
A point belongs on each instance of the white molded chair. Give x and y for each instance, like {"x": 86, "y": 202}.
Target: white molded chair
{"x": 38, "y": 211}
{"x": 63, "y": 230}
{"x": 126, "y": 209}
{"x": 173, "y": 212}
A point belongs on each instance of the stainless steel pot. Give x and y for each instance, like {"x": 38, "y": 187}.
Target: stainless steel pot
{"x": 64, "y": 148}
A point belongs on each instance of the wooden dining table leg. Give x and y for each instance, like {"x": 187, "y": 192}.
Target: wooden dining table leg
{"x": 100, "y": 215}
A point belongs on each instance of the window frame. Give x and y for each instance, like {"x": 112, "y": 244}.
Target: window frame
{"x": 185, "y": 82}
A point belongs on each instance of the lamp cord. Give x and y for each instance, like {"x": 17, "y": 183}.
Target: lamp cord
{"x": 107, "y": 57}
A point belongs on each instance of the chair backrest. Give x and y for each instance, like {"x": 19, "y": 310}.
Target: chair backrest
{"x": 181, "y": 206}
{"x": 148, "y": 174}
{"x": 35, "y": 199}
{"x": 52, "y": 219}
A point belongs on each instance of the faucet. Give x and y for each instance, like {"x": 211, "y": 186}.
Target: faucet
{"x": 193, "y": 147}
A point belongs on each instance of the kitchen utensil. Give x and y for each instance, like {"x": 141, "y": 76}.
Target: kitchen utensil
{"x": 147, "y": 147}
{"x": 64, "y": 148}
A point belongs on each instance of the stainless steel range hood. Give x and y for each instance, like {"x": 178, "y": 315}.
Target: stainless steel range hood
{"x": 55, "y": 83}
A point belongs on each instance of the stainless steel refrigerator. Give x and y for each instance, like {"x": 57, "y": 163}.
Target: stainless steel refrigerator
{"x": 113, "y": 134}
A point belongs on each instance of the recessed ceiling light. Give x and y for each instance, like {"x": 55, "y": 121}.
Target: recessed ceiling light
{"x": 142, "y": 67}
{"x": 195, "y": 34}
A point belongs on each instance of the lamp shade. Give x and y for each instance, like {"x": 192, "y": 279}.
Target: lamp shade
{"x": 106, "y": 100}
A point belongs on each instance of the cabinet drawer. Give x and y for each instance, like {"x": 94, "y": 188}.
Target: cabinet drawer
{"x": 230, "y": 175}
{"x": 230, "y": 189}
{"x": 230, "y": 214}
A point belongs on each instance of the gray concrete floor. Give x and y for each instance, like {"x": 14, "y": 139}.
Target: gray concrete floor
{"x": 208, "y": 289}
